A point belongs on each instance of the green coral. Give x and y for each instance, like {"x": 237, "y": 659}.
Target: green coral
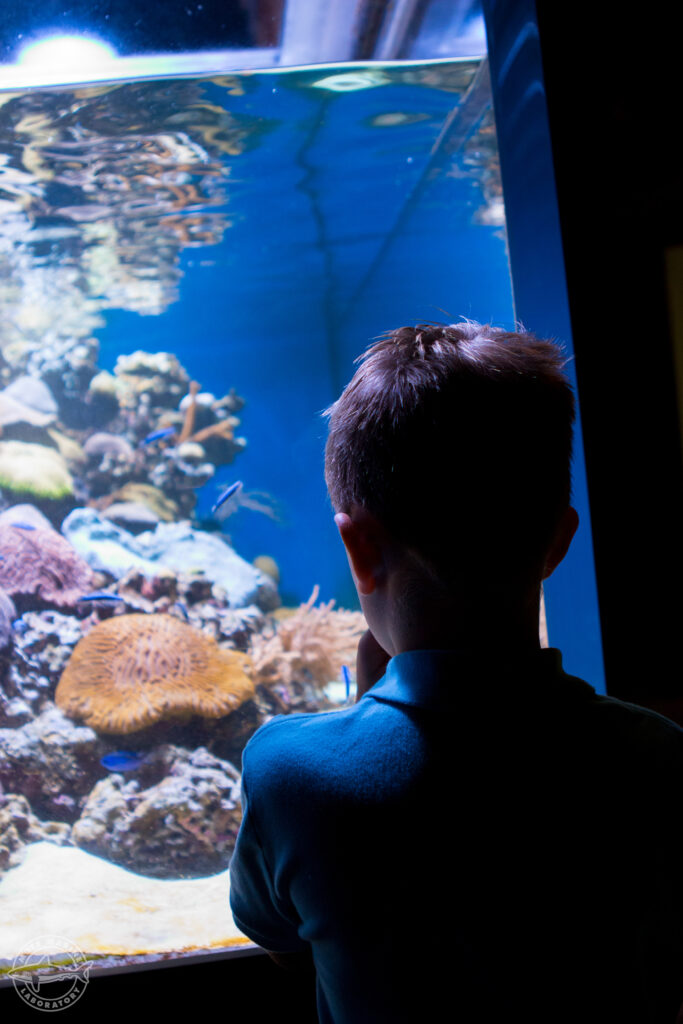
{"x": 34, "y": 469}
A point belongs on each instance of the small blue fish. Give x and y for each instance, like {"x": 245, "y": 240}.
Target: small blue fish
{"x": 19, "y": 626}
{"x": 346, "y": 679}
{"x": 100, "y": 595}
{"x": 23, "y": 526}
{"x": 122, "y": 761}
{"x": 158, "y": 435}
{"x": 227, "y": 493}
{"x": 182, "y": 608}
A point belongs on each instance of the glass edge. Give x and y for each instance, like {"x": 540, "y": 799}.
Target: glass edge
{"x": 216, "y": 63}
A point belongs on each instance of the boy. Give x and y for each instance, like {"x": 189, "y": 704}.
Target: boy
{"x": 480, "y": 835}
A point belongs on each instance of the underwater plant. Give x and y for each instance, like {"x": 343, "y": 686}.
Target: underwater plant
{"x": 310, "y": 644}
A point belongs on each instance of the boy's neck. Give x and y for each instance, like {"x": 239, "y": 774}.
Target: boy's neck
{"x": 477, "y": 620}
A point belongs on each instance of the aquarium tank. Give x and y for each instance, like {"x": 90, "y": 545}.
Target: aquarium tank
{"x": 201, "y": 227}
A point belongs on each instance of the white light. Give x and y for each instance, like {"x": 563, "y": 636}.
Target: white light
{"x": 350, "y": 81}
{"x": 67, "y": 53}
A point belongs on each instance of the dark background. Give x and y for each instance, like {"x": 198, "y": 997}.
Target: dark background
{"x": 613, "y": 87}
{"x": 134, "y": 28}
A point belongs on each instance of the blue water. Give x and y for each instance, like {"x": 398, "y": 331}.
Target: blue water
{"x": 344, "y": 223}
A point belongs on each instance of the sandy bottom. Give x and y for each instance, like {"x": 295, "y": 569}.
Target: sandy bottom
{"x": 101, "y": 908}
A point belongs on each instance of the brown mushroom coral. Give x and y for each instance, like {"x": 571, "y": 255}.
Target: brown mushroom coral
{"x": 131, "y": 671}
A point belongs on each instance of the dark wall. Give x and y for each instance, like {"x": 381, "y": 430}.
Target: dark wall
{"x": 613, "y": 88}
{"x": 248, "y": 989}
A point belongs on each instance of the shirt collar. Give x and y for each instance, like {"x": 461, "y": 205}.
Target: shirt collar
{"x": 441, "y": 679}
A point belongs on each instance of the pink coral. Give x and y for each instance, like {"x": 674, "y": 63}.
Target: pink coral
{"x": 39, "y": 563}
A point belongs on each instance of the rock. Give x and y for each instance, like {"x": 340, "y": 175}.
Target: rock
{"x": 152, "y": 497}
{"x": 47, "y": 639}
{"x": 34, "y": 393}
{"x": 101, "y": 397}
{"x": 183, "y": 549}
{"x": 202, "y": 398}
{"x": 156, "y": 374}
{"x": 190, "y": 451}
{"x": 175, "y": 546}
{"x": 267, "y": 565}
{"x": 67, "y": 366}
{"x": 175, "y": 474}
{"x": 185, "y": 825}
{"x": 67, "y": 447}
{"x": 25, "y": 514}
{"x": 34, "y": 469}
{"x": 104, "y": 545}
{"x": 103, "y": 443}
{"x": 131, "y": 516}
{"x": 19, "y": 827}
{"x": 14, "y": 712}
{"x": 103, "y": 383}
{"x": 13, "y": 411}
{"x": 8, "y": 614}
{"x": 105, "y": 909}
{"x": 52, "y": 762}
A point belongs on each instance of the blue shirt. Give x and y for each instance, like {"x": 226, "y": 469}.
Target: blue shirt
{"x": 483, "y": 831}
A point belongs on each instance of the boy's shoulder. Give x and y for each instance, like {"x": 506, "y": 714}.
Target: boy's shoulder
{"x": 295, "y": 737}
{"x": 656, "y": 737}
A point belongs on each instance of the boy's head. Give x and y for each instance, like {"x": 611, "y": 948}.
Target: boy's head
{"x": 457, "y": 439}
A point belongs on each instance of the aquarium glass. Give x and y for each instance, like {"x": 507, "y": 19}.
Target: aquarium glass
{"x": 188, "y": 268}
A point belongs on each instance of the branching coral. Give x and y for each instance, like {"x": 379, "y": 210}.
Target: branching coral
{"x": 190, "y": 413}
{"x": 224, "y": 428}
{"x": 311, "y": 644}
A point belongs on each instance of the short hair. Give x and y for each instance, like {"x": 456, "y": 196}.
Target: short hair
{"x": 458, "y": 439}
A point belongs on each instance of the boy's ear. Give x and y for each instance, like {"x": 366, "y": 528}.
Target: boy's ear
{"x": 362, "y": 549}
{"x": 563, "y": 538}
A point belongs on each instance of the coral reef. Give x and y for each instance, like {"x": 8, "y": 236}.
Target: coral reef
{"x": 39, "y": 567}
{"x": 132, "y": 671}
{"x": 171, "y": 548}
{"x": 309, "y": 644}
{"x": 19, "y": 827}
{"x": 34, "y": 469}
{"x": 145, "y": 494}
{"x": 51, "y": 761}
{"x": 8, "y": 613}
{"x": 185, "y": 824}
{"x": 122, "y": 613}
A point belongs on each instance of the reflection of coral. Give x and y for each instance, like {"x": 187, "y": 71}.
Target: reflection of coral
{"x": 40, "y": 563}
{"x": 133, "y": 670}
{"x": 310, "y": 644}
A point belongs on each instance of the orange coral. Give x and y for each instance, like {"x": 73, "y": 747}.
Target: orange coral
{"x": 190, "y": 413}
{"x": 311, "y": 642}
{"x": 131, "y": 671}
{"x": 224, "y": 428}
